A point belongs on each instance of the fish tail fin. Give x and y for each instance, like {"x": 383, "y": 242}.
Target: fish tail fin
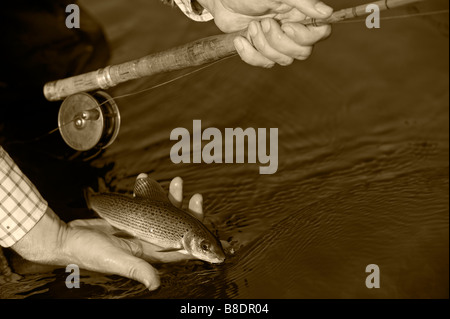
{"x": 88, "y": 192}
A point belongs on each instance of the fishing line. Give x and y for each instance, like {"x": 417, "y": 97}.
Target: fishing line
{"x": 412, "y": 15}
{"x": 404, "y": 16}
{"x": 167, "y": 82}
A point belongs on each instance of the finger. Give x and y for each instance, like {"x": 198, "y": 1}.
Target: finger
{"x": 312, "y": 8}
{"x": 142, "y": 176}
{"x": 131, "y": 244}
{"x": 121, "y": 263}
{"x": 258, "y": 37}
{"x": 306, "y": 36}
{"x": 106, "y": 254}
{"x": 153, "y": 254}
{"x": 278, "y": 39}
{"x": 137, "y": 269}
{"x": 293, "y": 15}
{"x": 250, "y": 55}
{"x": 125, "y": 265}
{"x": 97, "y": 224}
{"x": 176, "y": 192}
{"x": 196, "y": 206}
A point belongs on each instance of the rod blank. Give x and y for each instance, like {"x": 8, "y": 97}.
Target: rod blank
{"x": 193, "y": 54}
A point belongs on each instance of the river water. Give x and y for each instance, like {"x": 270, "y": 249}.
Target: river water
{"x": 363, "y": 161}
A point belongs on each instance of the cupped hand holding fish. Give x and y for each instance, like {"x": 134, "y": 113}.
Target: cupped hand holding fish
{"x": 93, "y": 245}
{"x": 275, "y": 36}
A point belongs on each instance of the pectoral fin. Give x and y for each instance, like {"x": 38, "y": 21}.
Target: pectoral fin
{"x": 170, "y": 250}
{"x": 123, "y": 234}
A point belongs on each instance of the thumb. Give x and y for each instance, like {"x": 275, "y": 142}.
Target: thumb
{"x": 312, "y": 8}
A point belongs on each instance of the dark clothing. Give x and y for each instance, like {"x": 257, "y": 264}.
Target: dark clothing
{"x": 37, "y": 47}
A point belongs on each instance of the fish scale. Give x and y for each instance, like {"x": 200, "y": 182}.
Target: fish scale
{"x": 154, "y": 221}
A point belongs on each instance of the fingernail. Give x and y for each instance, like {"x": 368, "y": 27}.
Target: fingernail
{"x": 176, "y": 191}
{"x": 196, "y": 206}
{"x": 265, "y": 26}
{"x": 239, "y": 44}
{"x": 253, "y": 29}
{"x": 324, "y": 9}
{"x": 152, "y": 286}
{"x": 142, "y": 176}
{"x": 288, "y": 30}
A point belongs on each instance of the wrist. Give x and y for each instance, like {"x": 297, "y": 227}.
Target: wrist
{"x": 45, "y": 241}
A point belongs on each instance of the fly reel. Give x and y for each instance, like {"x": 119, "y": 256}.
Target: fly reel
{"x": 88, "y": 121}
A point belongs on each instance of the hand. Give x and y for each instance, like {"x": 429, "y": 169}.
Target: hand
{"x": 274, "y": 36}
{"x": 91, "y": 245}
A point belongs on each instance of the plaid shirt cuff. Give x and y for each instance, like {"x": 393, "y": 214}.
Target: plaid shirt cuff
{"x": 21, "y": 205}
{"x": 194, "y": 11}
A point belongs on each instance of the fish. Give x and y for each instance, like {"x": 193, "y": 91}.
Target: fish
{"x": 151, "y": 217}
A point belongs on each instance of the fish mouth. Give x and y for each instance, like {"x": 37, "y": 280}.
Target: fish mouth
{"x": 218, "y": 259}
{"x": 211, "y": 260}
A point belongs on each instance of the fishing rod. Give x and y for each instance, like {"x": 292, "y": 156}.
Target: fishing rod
{"x": 88, "y": 121}
{"x": 193, "y": 54}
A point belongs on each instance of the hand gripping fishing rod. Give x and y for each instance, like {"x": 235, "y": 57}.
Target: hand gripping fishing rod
{"x": 92, "y": 121}
{"x": 193, "y": 54}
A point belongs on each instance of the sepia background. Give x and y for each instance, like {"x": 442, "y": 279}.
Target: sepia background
{"x": 363, "y": 162}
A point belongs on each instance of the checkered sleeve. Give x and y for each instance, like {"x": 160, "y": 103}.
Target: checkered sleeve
{"x": 193, "y": 10}
{"x": 21, "y": 205}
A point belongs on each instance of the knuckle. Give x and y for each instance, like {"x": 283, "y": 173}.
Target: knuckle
{"x": 308, "y": 38}
{"x": 260, "y": 44}
{"x": 286, "y": 62}
{"x": 327, "y": 31}
{"x": 224, "y": 25}
{"x": 268, "y": 65}
{"x": 307, "y": 50}
{"x": 302, "y": 58}
{"x": 321, "y": 33}
{"x": 253, "y": 58}
{"x": 304, "y": 53}
{"x": 248, "y": 58}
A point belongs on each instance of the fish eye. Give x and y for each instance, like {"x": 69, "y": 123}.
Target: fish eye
{"x": 204, "y": 245}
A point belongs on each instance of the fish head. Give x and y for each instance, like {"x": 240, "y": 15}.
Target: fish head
{"x": 204, "y": 247}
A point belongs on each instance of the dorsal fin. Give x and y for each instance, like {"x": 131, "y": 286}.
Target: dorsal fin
{"x": 148, "y": 188}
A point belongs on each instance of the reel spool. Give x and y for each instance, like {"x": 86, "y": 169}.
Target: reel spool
{"x": 88, "y": 121}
